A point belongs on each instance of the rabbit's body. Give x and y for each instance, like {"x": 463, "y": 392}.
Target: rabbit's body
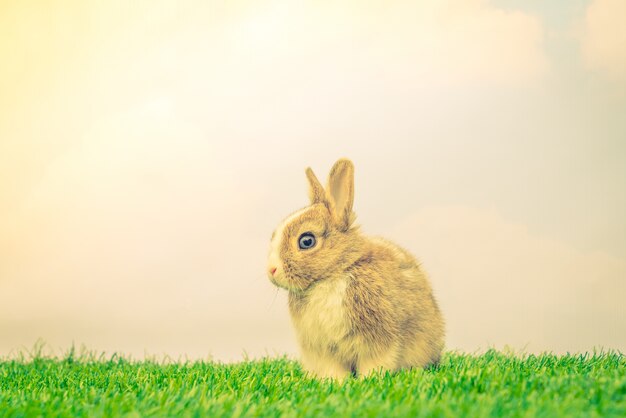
{"x": 358, "y": 303}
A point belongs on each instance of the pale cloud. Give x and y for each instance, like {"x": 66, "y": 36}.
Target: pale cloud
{"x": 603, "y": 41}
{"x": 416, "y": 43}
{"x": 502, "y": 285}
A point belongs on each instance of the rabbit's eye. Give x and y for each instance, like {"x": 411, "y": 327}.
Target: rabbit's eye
{"x": 306, "y": 241}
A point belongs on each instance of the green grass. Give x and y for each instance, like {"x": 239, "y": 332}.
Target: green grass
{"x": 492, "y": 384}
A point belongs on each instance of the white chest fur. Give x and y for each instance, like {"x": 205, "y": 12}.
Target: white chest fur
{"x": 323, "y": 320}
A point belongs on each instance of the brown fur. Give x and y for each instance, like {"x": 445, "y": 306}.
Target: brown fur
{"x": 358, "y": 304}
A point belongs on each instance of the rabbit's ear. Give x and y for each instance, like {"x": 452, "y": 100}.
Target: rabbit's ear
{"x": 341, "y": 192}
{"x": 316, "y": 191}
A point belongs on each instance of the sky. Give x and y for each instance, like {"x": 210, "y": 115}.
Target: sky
{"x": 149, "y": 149}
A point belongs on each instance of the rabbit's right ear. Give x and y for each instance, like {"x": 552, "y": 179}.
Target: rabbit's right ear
{"x": 316, "y": 191}
{"x": 341, "y": 192}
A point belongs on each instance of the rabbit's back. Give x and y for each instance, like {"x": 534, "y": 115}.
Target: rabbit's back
{"x": 390, "y": 302}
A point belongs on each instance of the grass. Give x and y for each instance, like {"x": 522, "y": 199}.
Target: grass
{"x": 493, "y": 384}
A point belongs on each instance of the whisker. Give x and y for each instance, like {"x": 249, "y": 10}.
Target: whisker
{"x": 273, "y": 300}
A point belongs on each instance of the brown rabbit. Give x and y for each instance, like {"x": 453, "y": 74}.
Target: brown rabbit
{"x": 358, "y": 304}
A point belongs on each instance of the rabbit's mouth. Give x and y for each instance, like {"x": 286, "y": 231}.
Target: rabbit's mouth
{"x": 277, "y": 283}
{"x": 281, "y": 284}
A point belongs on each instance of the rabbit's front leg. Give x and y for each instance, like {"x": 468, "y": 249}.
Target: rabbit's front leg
{"x": 374, "y": 362}
{"x": 323, "y": 365}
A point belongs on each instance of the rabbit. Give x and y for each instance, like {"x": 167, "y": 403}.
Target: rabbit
{"x": 358, "y": 304}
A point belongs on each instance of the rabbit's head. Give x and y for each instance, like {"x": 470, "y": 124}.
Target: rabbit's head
{"x": 319, "y": 240}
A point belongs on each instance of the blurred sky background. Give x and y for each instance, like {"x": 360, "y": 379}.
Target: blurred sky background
{"x": 148, "y": 149}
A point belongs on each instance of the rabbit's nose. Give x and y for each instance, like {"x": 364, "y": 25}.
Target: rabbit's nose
{"x": 272, "y": 270}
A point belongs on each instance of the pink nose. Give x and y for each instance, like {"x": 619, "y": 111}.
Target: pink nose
{"x": 272, "y": 270}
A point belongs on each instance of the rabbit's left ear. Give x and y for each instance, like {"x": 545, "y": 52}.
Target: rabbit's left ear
{"x": 341, "y": 192}
{"x": 316, "y": 191}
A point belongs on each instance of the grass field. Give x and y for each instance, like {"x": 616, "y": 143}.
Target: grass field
{"x": 492, "y": 384}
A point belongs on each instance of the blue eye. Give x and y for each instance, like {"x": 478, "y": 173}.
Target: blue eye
{"x": 306, "y": 241}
